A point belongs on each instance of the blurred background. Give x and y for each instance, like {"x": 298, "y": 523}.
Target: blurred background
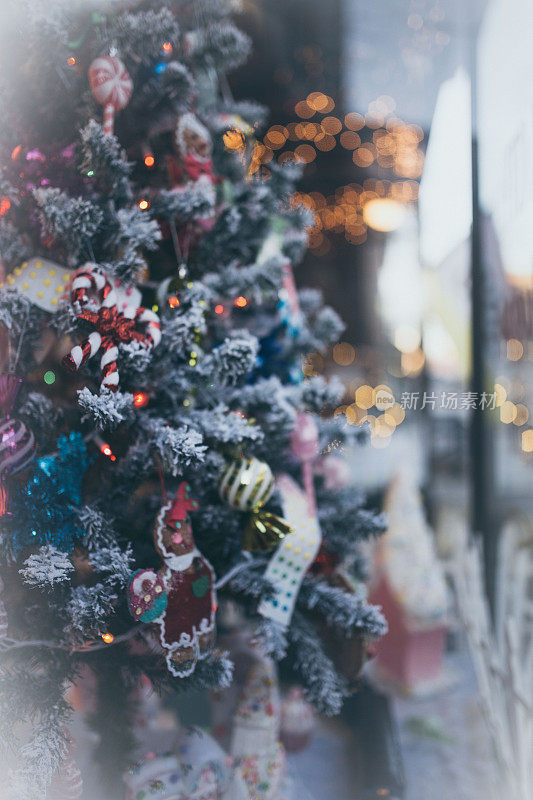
{"x": 414, "y": 120}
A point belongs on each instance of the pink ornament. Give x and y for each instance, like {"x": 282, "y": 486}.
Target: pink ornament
{"x": 304, "y": 438}
{"x": 297, "y": 721}
{"x": 335, "y": 471}
{"x": 111, "y": 86}
{"x": 304, "y": 444}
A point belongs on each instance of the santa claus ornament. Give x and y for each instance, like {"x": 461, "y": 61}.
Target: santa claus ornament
{"x": 180, "y": 598}
{"x": 193, "y": 143}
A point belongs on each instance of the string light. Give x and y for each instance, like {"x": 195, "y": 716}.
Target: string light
{"x": 149, "y": 160}
{"x": 108, "y": 638}
{"x": 241, "y": 301}
{"x": 343, "y": 354}
{"x": 382, "y": 213}
{"x": 219, "y": 309}
{"x": 5, "y": 205}
{"x": 144, "y": 204}
{"x": 167, "y": 47}
{"x": 234, "y": 140}
{"x": 106, "y": 450}
{"x": 173, "y": 301}
{"x": 49, "y": 377}
{"x": 140, "y": 399}
{"x": 71, "y": 61}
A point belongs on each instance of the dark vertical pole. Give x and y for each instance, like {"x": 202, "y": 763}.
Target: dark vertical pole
{"x": 481, "y": 446}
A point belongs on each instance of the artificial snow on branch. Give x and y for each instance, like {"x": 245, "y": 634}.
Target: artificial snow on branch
{"x": 47, "y": 567}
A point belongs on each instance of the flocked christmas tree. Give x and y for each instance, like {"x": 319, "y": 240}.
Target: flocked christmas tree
{"x": 148, "y": 307}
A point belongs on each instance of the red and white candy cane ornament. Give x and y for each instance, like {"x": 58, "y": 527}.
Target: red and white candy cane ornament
{"x": 95, "y": 301}
{"x": 111, "y": 86}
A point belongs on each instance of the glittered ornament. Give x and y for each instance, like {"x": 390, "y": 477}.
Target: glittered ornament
{"x": 67, "y": 466}
{"x": 45, "y": 508}
{"x": 247, "y": 485}
{"x": 44, "y": 283}
{"x": 111, "y": 86}
{"x": 185, "y": 610}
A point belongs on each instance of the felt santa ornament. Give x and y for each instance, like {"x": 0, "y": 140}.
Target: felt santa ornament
{"x": 193, "y": 144}
{"x": 180, "y": 598}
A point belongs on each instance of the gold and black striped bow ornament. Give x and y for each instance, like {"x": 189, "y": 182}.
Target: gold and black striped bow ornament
{"x": 247, "y": 484}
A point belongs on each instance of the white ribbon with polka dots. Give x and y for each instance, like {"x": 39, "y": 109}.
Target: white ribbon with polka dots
{"x": 43, "y": 282}
{"x": 295, "y": 554}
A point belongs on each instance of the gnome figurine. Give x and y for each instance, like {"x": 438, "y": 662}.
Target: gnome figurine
{"x": 180, "y": 597}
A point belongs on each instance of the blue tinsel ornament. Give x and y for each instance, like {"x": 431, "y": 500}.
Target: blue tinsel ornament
{"x": 44, "y": 510}
{"x": 270, "y": 359}
{"x": 67, "y": 468}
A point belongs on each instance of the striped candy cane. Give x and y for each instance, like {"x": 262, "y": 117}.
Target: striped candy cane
{"x": 95, "y": 301}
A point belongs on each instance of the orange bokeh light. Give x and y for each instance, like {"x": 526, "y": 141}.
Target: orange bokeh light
{"x": 241, "y": 301}
{"x": 149, "y": 160}
{"x": 144, "y": 204}
{"x": 140, "y": 399}
{"x": 173, "y": 301}
{"x": 219, "y": 309}
{"x": 106, "y": 450}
